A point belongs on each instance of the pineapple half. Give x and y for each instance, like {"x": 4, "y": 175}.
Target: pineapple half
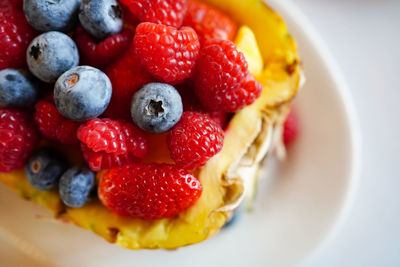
{"x": 227, "y": 177}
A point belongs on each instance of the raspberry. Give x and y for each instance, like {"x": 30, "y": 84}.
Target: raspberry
{"x": 167, "y": 12}
{"x": 107, "y": 143}
{"x": 53, "y": 125}
{"x": 18, "y": 138}
{"x": 223, "y": 82}
{"x": 102, "y": 53}
{"x": 220, "y": 117}
{"x": 130, "y": 20}
{"x": 245, "y": 95}
{"x": 66, "y": 132}
{"x": 15, "y": 36}
{"x": 148, "y": 191}
{"x": 208, "y": 22}
{"x": 15, "y": 3}
{"x": 101, "y": 160}
{"x": 290, "y": 128}
{"x": 191, "y": 103}
{"x": 127, "y": 76}
{"x": 194, "y": 140}
{"x": 47, "y": 119}
{"x": 103, "y": 135}
{"x": 167, "y": 53}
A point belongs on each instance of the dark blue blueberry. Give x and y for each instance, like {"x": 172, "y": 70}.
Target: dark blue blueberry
{"x": 76, "y": 185}
{"x": 156, "y": 107}
{"x": 52, "y": 15}
{"x": 101, "y": 18}
{"x": 44, "y": 168}
{"x": 82, "y": 93}
{"x": 17, "y": 89}
{"x": 51, "y": 54}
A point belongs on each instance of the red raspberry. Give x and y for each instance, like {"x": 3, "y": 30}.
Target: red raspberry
{"x": 15, "y": 3}
{"x": 208, "y": 22}
{"x": 53, "y": 125}
{"x": 66, "y": 132}
{"x": 47, "y": 119}
{"x": 103, "y": 135}
{"x": 223, "y": 82}
{"x": 15, "y": 36}
{"x": 220, "y": 117}
{"x": 290, "y": 128}
{"x": 148, "y": 191}
{"x": 191, "y": 103}
{"x": 127, "y": 76}
{"x": 18, "y": 138}
{"x": 245, "y": 95}
{"x": 167, "y": 53}
{"x": 194, "y": 140}
{"x": 100, "y": 54}
{"x": 108, "y": 143}
{"x": 101, "y": 160}
{"x": 130, "y": 20}
{"x": 167, "y": 12}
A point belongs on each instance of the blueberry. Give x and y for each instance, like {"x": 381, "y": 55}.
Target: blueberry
{"x": 156, "y": 107}
{"x": 101, "y": 18}
{"x": 52, "y": 15}
{"x": 75, "y": 186}
{"x": 17, "y": 89}
{"x": 51, "y": 54}
{"x": 44, "y": 168}
{"x": 82, "y": 93}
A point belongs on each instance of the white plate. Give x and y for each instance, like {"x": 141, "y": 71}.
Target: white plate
{"x": 291, "y": 219}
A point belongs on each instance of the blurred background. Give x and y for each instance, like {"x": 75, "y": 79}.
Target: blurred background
{"x": 364, "y": 38}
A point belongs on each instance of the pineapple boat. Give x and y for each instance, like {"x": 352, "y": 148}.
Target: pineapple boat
{"x": 253, "y": 133}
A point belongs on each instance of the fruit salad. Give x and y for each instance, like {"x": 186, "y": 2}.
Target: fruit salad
{"x": 144, "y": 121}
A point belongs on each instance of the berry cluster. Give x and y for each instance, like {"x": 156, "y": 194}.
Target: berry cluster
{"x": 130, "y": 70}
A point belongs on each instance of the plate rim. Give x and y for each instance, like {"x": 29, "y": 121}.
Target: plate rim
{"x": 287, "y": 8}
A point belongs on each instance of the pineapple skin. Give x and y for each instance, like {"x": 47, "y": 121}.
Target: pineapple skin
{"x": 223, "y": 186}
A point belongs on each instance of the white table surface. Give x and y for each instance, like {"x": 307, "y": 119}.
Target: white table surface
{"x": 364, "y": 37}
